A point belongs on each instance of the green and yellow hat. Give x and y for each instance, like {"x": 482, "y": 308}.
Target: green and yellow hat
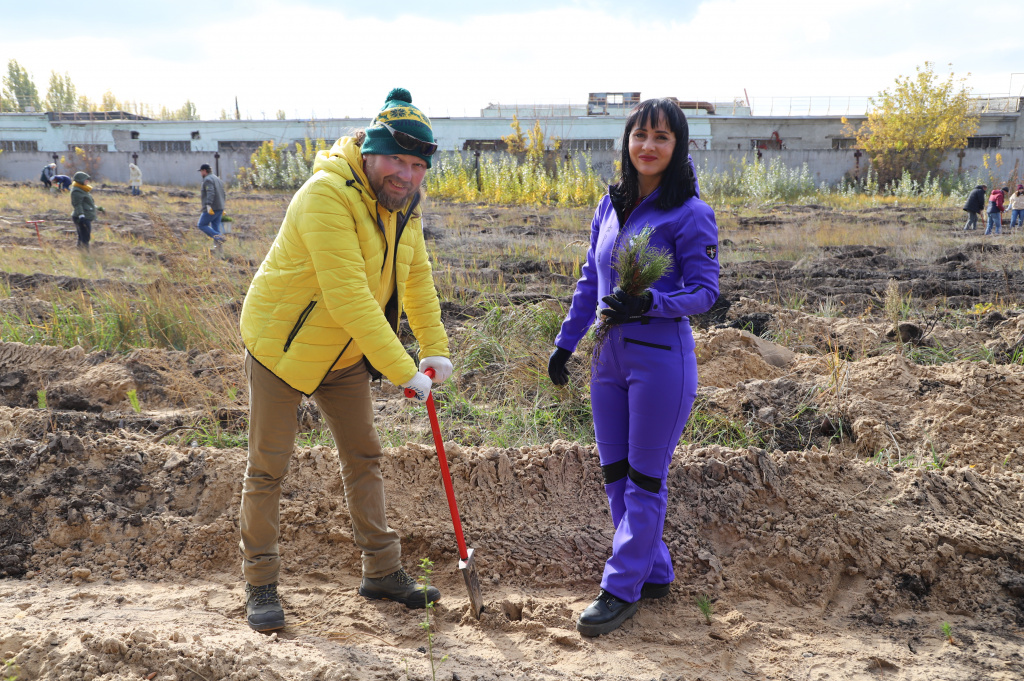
{"x": 400, "y": 128}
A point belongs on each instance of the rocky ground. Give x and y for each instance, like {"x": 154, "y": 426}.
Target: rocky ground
{"x": 882, "y": 499}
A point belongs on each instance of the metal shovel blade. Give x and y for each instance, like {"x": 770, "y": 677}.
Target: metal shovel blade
{"x": 468, "y": 569}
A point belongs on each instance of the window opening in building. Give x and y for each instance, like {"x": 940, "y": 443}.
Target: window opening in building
{"x": 241, "y": 146}
{"x": 588, "y": 144}
{"x": 484, "y": 145}
{"x": 766, "y": 143}
{"x": 983, "y": 142}
{"x": 19, "y": 145}
{"x": 165, "y": 145}
{"x": 844, "y": 142}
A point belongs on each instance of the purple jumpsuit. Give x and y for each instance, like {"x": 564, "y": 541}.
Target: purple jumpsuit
{"x": 646, "y": 380}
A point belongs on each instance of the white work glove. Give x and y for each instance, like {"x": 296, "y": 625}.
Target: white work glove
{"x": 441, "y": 365}
{"x": 81, "y": 217}
{"x": 419, "y": 387}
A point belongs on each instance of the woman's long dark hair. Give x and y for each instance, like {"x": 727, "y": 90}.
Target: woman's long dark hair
{"x": 677, "y": 184}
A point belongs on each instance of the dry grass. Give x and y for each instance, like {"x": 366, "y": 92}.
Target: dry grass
{"x": 154, "y": 284}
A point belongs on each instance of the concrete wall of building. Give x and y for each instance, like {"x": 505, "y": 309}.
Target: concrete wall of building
{"x": 825, "y": 165}
{"x": 734, "y": 133}
{"x": 795, "y": 133}
{"x": 205, "y": 136}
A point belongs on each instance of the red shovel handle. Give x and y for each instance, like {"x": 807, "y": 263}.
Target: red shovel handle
{"x": 446, "y": 476}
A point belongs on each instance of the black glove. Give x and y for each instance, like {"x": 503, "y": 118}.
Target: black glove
{"x": 557, "y": 370}
{"x": 623, "y": 307}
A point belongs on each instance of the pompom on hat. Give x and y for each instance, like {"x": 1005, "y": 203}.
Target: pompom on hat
{"x": 399, "y": 113}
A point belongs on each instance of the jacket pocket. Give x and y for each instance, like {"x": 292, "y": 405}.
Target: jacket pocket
{"x": 298, "y": 324}
{"x": 646, "y": 344}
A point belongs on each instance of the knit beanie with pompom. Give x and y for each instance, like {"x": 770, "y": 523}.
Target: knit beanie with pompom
{"x": 398, "y": 112}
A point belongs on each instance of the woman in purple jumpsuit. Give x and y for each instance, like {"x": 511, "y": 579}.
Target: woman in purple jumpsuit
{"x": 645, "y": 381}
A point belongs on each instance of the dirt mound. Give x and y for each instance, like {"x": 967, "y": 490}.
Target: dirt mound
{"x": 74, "y": 380}
{"x": 881, "y": 512}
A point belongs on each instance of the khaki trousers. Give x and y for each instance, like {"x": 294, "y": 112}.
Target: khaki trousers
{"x": 344, "y": 401}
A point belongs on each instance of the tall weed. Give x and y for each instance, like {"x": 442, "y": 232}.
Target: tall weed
{"x": 510, "y": 181}
{"x": 274, "y": 167}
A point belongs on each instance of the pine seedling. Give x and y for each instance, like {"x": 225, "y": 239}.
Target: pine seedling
{"x": 41, "y": 399}
{"x": 427, "y": 568}
{"x": 947, "y": 631}
{"x": 133, "y": 397}
{"x": 705, "y": 606}
{"x": 638, "y": 265}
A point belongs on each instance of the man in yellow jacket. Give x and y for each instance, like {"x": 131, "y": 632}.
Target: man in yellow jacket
{"x": 321, "y": 314}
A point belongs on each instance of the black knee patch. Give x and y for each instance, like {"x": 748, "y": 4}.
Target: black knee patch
{"x": 614, "y": 472}
{"x": 645, "y": 482}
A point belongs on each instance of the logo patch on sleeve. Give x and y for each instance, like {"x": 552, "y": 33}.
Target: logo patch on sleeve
{"x": 712, "y": 251}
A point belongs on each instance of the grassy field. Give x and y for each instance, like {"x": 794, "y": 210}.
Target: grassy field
{"x": 505, "y": 272}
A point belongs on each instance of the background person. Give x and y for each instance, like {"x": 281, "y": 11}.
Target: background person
{"x": 62, "y": 182}
{"x": 644, "y": 383}
{"x": 46, "y": 177}
{"x": 1017, "y": 207}
{"x": 212, "y": 196}
{"x": 974, "y": 205}
{"x": 322, "y": 311}
{"x": 83, "y": 209}
{"x": 135, "y": 179}
{"x": 995, "y": 211}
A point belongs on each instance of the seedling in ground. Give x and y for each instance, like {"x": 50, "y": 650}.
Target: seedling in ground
{"x": 41, "y": 399}
{"x": 133, "y": 397}
{"x": 947, "y": 631}
{"x": 427, "y": 568}
{"x": 705, "y": 606}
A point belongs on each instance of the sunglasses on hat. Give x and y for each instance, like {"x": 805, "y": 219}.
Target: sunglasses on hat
{"x": 407, "y": 141}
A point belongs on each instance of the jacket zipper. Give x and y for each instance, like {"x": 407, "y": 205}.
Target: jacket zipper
{"x": 298, "y": 325}
{"x": 622, "y": 228}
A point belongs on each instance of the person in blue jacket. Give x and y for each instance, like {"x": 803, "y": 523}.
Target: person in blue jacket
{"x": 62, "y": 182}
{"x": 645, "y": 381}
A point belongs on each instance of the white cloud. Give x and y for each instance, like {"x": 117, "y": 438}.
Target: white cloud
{"x": 304, "y": 59}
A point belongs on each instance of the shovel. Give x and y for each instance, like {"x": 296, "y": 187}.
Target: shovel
{"x": 466, "y": 565}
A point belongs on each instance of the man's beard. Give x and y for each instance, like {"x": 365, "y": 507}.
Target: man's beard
{"x": 387, "y": 200}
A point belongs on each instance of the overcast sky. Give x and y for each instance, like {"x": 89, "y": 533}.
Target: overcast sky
{"x": 334, "y": 57}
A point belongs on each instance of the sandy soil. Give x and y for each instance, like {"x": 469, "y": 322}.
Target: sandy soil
{"x": 890, "y": 502}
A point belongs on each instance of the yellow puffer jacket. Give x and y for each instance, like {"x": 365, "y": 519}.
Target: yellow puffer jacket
{"x": 318, "y": 300}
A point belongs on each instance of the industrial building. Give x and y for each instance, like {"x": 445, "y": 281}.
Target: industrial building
{"x": 798, "y": 131}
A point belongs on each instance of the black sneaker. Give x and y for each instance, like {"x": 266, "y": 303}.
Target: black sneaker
{"x": 652, "y": 590}
{"x": 399, "y": 587}
{"x": 606, "y": 613}
{"x": 263, "y": 609}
